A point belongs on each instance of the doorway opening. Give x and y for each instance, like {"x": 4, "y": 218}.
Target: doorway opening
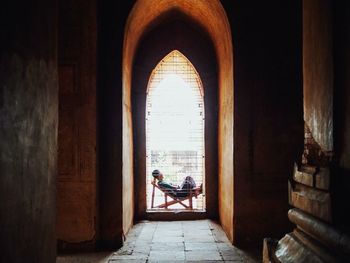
{"x": 175, "y": 127}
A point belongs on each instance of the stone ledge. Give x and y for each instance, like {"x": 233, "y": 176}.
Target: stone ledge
{"x": 321, "y": 231}
{"x": 316, "y": 247}
{"x": 312, "y": 176}
{"x": 311, "y": 200}
{"x": 290, "y": 249}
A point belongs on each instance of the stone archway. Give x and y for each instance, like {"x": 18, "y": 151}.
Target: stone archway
{"x": 211, "y": 16}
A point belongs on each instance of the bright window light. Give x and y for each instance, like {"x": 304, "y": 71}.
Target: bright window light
{"x": 175, "y": 125}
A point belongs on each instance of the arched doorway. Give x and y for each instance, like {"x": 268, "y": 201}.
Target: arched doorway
{"x": 177, "y": 32}
{"x": 175, "y": 126}
{"x": 144, "y": 16}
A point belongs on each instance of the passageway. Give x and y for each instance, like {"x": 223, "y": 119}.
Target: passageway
{"x": 171, "y": 241}
{"x": 273, "y": 111}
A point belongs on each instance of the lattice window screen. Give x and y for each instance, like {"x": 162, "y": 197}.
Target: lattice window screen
{"x": 175, "y": 125}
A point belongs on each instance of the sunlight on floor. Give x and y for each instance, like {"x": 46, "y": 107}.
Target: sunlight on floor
{"x": 175, "y": 241}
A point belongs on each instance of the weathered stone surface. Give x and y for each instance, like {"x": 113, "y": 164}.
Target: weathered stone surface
{"x": 316, "y": 247}
{"x": 321, "y": 231}
{"x": 76, "y": 191}
{"x": 318, "y": 71}
{"x": 298, "y": 247}
{"x": 323, "y": 178}
{"x": 304, "y": 177}
{"x": 290, "y": 250}
{"x": 311, "y": 200}
{"x": 76, "y": 221}
{"x": 28, "y": 131}
{"x": 312, "y": 176}
{"x": 326, "y": 41}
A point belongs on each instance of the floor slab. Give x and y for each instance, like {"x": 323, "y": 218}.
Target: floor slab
{"x": 170, "y": 241}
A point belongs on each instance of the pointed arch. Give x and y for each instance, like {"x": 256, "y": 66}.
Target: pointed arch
{"x": 171, "y": 62}
{"x": 211, "y": 16}
{"x": 175, "y": 125}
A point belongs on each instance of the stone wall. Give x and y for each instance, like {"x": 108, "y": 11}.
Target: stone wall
{"x": 76, "y": 182}
{"x": 341, "y": 180}
{"x": 114, "y": 222}
{"x": 318, "y": 71}
{"x": 28, "y": 131}
{"x": 268, "y": 124}
{"x": 320, "y": 186}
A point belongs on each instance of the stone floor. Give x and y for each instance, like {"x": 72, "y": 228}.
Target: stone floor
{"x": 175, "y": 241}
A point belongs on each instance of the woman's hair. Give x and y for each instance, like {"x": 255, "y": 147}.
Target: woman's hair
{"x": 156, "y": 173}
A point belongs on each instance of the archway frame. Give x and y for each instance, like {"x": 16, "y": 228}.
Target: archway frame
{"x": 211, "y": 16}
{"x": 177, "y": 67}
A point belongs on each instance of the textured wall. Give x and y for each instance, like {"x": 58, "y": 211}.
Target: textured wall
{"x": 341, "y": 179}
{"x": 28, "y": 131}
{"x": 318, "y": 71}
{"x": 76, "y": 186}
{"x": 268, "y": 120}
{"x": 112, "y": 16}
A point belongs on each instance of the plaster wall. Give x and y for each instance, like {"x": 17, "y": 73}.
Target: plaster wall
{"x": 28, "y": 131}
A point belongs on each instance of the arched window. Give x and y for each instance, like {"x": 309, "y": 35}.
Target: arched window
{"x": 175, "y": 125}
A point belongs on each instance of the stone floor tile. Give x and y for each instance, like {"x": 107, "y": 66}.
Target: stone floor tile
{"x": 179, "y": 241}
{"x": 172, "y": 233}
{"x": 198, "y": 233}
{"x": 199, "y": 239}
{"x": 133, "y": 256}
{"x": 231, "y": 255}
{"x": 167, "y": 255}
{"x": 123, "y": 251}
{"x": 220, "y": 236}
{"x": 85, "y": 258}
{"x": 166, "y": 229}
{"x": 135, "y": 230}
{"x": 127, "y": 261}
{"x": 145, "y": 238}
{"x": 195, "y": 226}
{"x": 195, "y": 246}
{"x": 142, "y": 249}
{"x": 218, "y": 233}
{"x": 167, "y": 239}
{"x": 202, "y": 255}
{"x": 169, "y": 224}
{"x": 146, "y": 232}
{"x": 223, "y": 246}
{"x": 131, "y": 238}
{"x": 162, "y": 246}
{"x": 165, "y": 261}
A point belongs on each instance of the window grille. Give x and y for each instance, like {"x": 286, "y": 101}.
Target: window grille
{"x": 175, "y": 126}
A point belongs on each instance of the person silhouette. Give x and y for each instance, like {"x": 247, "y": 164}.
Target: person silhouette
{"x": 174, "y": 190}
